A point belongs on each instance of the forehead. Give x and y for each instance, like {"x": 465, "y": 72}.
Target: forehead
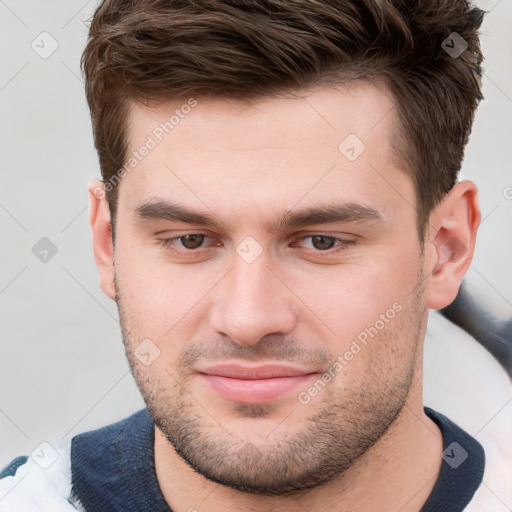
{"x": 267, "y": 153}
{"x": 363, "y": 108}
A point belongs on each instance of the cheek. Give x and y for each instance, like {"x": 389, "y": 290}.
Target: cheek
{"x": 161, "y": 301}
{"x": 350, "y": 298}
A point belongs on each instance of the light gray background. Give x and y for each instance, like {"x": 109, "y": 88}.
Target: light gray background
{"x": 62, "y": 364}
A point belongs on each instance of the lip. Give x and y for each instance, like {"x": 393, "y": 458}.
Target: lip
{"x": 268, "y": 371}
{"x": 257, "y": 384}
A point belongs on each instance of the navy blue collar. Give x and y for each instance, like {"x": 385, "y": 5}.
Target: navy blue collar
{"x": 113, "y": 468}
{"x": 462, "y": 468}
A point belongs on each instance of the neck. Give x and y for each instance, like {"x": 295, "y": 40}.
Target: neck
{"x": 400, "y": 470}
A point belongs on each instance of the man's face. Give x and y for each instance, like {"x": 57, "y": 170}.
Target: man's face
{"x": 251, "y": 290}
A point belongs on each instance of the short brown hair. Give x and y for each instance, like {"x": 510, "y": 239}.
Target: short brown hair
{"x": 173, "y": 49}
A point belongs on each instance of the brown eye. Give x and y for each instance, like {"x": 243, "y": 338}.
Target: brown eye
{"x": 192, "y": 241}
{"x": 321, "y": 242}
{"x": 325, "y": 246}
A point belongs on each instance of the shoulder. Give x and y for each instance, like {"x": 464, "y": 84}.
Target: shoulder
{"x": 113, "y": 467}
{"x": 469, "y": 386}
{"x": 462, "y": 467}
{"x": 43, "y": 480}
{"x": 106, "y": 443}
{"x": 39, "y": 482}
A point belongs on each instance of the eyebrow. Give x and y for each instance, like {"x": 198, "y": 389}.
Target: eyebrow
{"x": 323, "y": 214}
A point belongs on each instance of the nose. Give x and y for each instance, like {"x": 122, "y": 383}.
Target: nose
{"x": 252, "y": 303}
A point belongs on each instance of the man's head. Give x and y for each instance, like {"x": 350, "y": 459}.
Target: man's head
{"x": 291, "y": 202}
{"x": 159, "y": 50}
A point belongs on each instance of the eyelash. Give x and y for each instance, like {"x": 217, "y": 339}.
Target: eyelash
{"x": 167, "y": 243}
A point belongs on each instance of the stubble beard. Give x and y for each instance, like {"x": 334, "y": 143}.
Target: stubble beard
{"x": 347, "y": 422}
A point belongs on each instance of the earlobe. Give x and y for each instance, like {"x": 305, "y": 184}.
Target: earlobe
{"x": 450, "y": 243}
{"x": 99, "y": 220}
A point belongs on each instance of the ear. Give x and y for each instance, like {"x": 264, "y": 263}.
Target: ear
{"x": 450, "y": 243}
{"x": 99, "y": 220}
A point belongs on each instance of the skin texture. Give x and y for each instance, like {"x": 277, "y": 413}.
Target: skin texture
{"x": 245, "y": 164}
